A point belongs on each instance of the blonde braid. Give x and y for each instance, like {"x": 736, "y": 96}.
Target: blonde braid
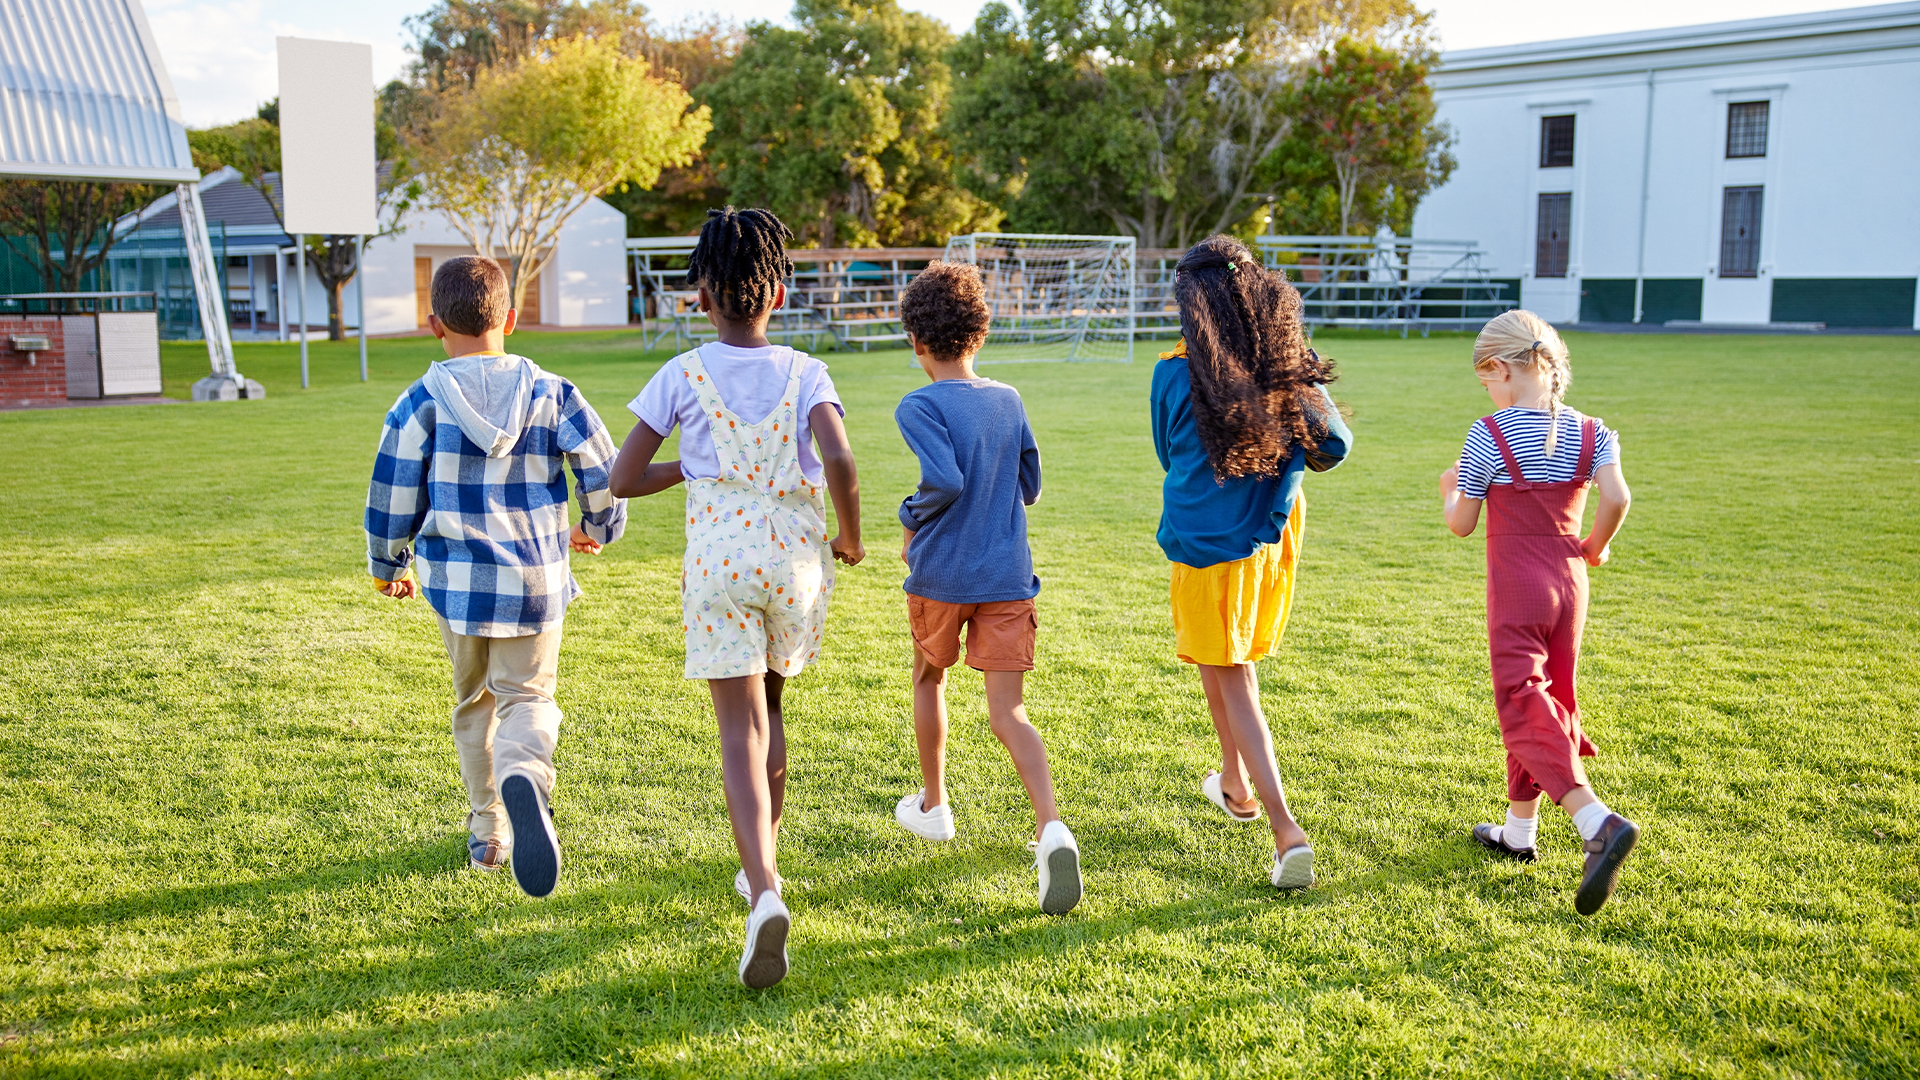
{"x": 1525, "y": 339}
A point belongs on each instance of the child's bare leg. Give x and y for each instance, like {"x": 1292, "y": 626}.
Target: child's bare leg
{"x": 1531, "y": 808}
{"x": 740, "y": 706}
{"x": 776, "y": 747}
{"x": 930, "y": 727}
{"x": 1572, "y": 803}
{"x": 1007, "y": 713}
{"x": 1238, "y": 691}
{"x": 1233, "y": 772}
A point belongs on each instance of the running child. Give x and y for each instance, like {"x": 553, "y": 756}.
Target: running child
{"x": 968, "y": 564}
{"x": 1240, "y": 412}
{"x": 470, "y": 487}
{"x": 758, "y": 567}
{"x": 1531, "y": 462}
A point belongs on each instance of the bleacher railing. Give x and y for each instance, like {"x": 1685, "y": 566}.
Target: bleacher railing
{"x": 850, "y": 296}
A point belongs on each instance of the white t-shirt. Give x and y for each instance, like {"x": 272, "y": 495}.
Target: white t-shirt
{"x": 1482, "y": 465}
{"x": 749, "y": 382}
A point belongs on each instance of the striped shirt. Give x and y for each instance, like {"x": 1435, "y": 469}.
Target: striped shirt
{"x": 489, "y": 534}
{"x": 1481, "y": 463}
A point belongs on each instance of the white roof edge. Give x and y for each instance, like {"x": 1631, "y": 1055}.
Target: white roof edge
{"x": 65, "y": 171}
{"x": 1668, "y": 39}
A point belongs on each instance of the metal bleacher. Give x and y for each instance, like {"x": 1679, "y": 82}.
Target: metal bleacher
{"x": 850, "y": 296}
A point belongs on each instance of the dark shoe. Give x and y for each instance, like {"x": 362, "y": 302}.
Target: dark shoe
{"x": 536, "y": 850}
{"x": 1605, "y": 852}
{"x": 485, "y": 854}
{"x": 1485, "y": 834}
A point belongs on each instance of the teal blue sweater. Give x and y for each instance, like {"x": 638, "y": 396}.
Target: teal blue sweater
{"x": 1204, "y": 522}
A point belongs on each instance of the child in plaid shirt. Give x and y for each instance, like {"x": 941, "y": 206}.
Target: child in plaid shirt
{"x": 470, "y": 483}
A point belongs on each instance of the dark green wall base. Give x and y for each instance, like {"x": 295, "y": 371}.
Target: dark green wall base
{"x": 1844, "y": 301}
{"x": 1610, "y": 300}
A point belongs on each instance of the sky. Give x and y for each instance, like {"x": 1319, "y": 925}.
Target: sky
{"x": 220, "y": 53}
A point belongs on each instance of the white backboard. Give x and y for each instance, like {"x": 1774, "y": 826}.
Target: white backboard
{"x": 326, "y": 136}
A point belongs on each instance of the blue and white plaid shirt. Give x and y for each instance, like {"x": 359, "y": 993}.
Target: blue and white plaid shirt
{"x": 490, "y": 534}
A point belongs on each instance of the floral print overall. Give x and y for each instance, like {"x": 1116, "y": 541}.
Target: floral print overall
{"x": 758, "y": 573}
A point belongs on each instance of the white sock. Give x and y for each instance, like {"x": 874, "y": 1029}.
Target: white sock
{"x": 1589, "y": 818}
{"x": 1519, "y": 832}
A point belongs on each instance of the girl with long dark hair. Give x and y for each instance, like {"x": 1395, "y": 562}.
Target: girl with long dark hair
{"x": 1240, "y": 412}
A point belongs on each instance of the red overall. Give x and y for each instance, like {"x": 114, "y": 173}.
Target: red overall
{"x": 1536, "y": 609}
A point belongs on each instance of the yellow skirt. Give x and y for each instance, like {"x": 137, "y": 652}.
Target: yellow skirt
{"x": 1234, "y": 613}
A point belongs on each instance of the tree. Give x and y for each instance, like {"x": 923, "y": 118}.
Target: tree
{"x": 69, "y": 224}
{"x": 837, "y": 126}
{"x": 1366, "y": 148}
{"x": 252, "y": 148}
{"x": 1145, "y": 117}
{"x": 512, "y": 157}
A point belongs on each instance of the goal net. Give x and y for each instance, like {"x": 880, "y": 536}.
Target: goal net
{"x": 1054, "y": 298}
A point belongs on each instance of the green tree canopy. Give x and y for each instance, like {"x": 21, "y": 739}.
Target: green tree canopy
{"x": 512, "y": 157}
{"x": 1144, "y": 117}
{"x": 1365, "y": 149}
{"x": 837, "y": 127}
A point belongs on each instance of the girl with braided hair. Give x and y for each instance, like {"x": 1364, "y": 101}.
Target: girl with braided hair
{"x": 1240, "y": 412}
{"x": 1531, "y": 462}
{"x": 760, "y": 437}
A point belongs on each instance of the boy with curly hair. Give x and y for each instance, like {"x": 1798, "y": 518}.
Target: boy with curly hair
{"x": 968, "y": 564}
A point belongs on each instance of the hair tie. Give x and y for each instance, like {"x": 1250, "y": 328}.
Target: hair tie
{"x": 1536, "y": 347}
{"x": 1232, "y": 267}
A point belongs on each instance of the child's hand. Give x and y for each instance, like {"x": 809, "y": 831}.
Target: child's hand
{"x": 906, "y": 543}
{"x": 1595, "y": 558}
{"x": 848, "y": 551}
{"x": 1450, "y": 480}
{"x": 582, "y": 543}
{"x": 404, "y": 589}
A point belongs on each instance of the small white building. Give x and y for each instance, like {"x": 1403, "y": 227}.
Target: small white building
{"x": 585, "y": 284}
{"x": 1747, "y": 172}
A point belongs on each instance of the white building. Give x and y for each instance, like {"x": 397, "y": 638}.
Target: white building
{"x": 1745, "y": 172}
{"x": 584, "y": 285}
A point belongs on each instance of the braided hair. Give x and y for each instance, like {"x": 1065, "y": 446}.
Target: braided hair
{"x": 1255, "y": 381}
{"x": 741, "y": 258}
{"x": 1524, "y": 339}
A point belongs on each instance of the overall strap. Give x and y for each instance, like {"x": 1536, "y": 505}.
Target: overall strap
{"x": 1583, "y": 472}
{"x": 701, "y": 381}
{"x": 1513, "y": 466}
{"x": 791, "y": 395}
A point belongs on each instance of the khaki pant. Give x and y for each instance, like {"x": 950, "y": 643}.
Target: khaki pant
{"x": 504, "y": 718}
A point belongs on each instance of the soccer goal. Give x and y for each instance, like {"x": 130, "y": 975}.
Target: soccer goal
{"x": 1054, "y": 298}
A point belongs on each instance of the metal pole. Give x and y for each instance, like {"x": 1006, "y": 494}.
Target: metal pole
{"x": 1646, "y": 172}
{"x": 360, "y": 297}
{"x": 300, "y": 259}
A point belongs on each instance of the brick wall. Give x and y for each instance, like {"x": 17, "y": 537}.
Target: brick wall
{"x": 44, "y": 381}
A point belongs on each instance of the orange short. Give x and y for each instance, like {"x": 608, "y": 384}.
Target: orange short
{"x": 1000, "y": 635}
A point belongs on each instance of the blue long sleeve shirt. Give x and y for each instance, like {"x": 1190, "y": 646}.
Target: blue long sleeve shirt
{"x": 1204, "y": 522}
{"x": 979, "y": 471}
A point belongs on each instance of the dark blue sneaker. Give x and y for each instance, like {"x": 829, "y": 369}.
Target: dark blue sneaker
{"x": 536, "y": 850}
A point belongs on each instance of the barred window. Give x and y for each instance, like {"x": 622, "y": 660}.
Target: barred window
{"x": 1556, "y": 142}
{"x": 1747, "y": 129}
{"x": 1740, "y": 232}
{"x": 1550, "y": 239}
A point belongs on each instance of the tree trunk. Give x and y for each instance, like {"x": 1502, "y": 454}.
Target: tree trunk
{"x": 335, "y": 331}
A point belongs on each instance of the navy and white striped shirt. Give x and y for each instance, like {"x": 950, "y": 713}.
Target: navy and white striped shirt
{"x": 1526, "y": 433}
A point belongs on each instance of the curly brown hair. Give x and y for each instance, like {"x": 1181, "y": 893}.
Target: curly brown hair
{"x": 1255, "y": 381}
{"x": 945, "y": 309}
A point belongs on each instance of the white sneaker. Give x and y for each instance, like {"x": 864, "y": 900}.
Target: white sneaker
{"x": 764, "y": 961}
{"x": 1058, "y": 859}
{"x": 746, "y": 891}
{"x": 1293, "y": 869}
{"x": 934, "y": 824}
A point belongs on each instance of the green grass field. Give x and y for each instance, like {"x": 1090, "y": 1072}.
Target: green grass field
{"x": 231, "y": 812}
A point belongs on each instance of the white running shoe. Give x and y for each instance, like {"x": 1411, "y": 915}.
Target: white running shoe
{"x": 934, "y": 824}
{"x": 1058, "y": 858}
{"x": 746, "y": 891}
{"x": 764, "y": 961}
{"x": 1293, "y": 869}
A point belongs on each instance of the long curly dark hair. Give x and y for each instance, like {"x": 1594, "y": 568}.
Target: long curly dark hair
{"x": 1254, "y": 378}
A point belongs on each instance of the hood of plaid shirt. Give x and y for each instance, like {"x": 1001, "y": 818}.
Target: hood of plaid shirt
{"x": 487, "y": 394}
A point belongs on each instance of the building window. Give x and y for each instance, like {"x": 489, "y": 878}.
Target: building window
{"x": 1740, "y": 232}
{"x": 1747, "y": 129}
{"x": 1556, "y": 142}
{"x": 1550, "y": 243}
